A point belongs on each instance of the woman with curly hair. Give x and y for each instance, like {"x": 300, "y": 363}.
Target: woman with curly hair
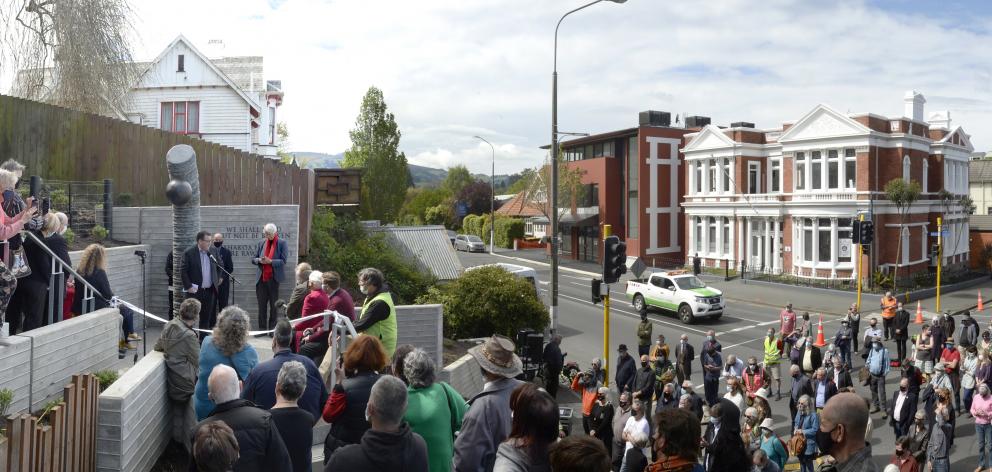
{"x": 354, "y": 376}
{"x": 228, "y": 345}
{"x": 93, "y": 267}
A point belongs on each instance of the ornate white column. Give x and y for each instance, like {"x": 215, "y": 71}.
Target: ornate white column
{"x": 750, "y": 234}
{"x": 776, "y": 246}
{"x": 766, "y": 236}
{"x": 834, "y": 249}
{"x": 692, "y": 177}
{"x": 719, "y": 235}
{"x": 706, "y": 176}
{"x": 741, "y": 236}
{"x": 691, "y": 244}
{"x": 732, "y": 221}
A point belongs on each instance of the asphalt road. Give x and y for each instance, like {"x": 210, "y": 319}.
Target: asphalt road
{"x": 739, "y": 330}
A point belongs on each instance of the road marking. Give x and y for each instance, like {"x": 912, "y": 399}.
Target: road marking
{"x": 580, "y": 285}
{"x": 763, "y": 337}
{"x": 636, "y": 316}
{"x": 586, "y": 279}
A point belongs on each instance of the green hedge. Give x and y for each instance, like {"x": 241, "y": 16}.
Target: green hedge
{"x": 487, "y": 301}
{"x": 506, "y": 228}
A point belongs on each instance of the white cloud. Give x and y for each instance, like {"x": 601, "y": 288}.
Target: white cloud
{"x": 451, "y": 70}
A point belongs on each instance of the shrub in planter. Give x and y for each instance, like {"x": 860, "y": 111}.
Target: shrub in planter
{"x": 69, "y": 236}
{"x": 99, "y": 233}
{"x": 124, "y": 199}
{"x": 487, "y": 301}
{"x": 106, "y": 378}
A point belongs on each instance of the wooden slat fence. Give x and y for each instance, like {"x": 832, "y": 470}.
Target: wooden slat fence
{"x": 61, "y": 144}
{"x": 67, "y": 443}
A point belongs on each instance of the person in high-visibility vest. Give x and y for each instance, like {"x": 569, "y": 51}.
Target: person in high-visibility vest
{"x": 888, "y": 306}
{"x": 378, "y": 316}
{"x": 772, "y": 368}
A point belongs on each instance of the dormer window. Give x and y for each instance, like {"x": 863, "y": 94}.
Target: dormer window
{"x": 181, "y": 67}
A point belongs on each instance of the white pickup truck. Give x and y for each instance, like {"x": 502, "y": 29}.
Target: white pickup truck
{"x": 679, "y": 292}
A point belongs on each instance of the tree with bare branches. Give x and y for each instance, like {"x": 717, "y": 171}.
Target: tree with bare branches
{"x": 72, "y": 53}
{"x": 570, "y": 190}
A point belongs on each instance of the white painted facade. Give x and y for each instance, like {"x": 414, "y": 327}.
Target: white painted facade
{"x": 183, "y": 79}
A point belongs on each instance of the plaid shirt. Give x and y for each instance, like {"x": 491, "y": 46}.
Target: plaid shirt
{"x": 861, "y": 461}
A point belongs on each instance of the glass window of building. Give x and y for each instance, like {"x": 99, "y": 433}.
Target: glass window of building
{"x": 713, "y": 170}
{"x": 699, "y": 234}
{"x": 807, "y": 240}
{"x": 776, "y": 175}
{"x": 800, "y": 171}
{"x": 699, "y": 176}
{"x": 711, "y": 248}
{"x": 816, "y": 171}
{"x": 846, "y": 248}
{"x": 726, "y": 175}
{"x": 726, "y": 236}
{"x": 633, "y": 168}
{"x": 823, "y": 244}
{"x": 833, "y": 169}
{"x": 753, "y": 177}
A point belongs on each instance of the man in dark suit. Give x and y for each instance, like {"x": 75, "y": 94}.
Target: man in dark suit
{"x": 901, "y": 325}
{"x": 840, "y": 375}
{"x": 270, "y": 257}
{"x": 224, "y": 286}
{"x": 199, "y": 275}
{"x": 684, "y": 355}
{"x": 902, "y": 409}
{"x": 800, "y": 386}
{"x": 553, "y": 361}
{"x": 168, "y": 273}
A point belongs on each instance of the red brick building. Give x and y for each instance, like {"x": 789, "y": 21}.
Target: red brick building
{"x": 783, "y": 200}
{"x": 634, "y": 181}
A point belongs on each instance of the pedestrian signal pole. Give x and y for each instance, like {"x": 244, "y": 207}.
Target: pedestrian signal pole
{"x": 861, "y": 255}
{"x": 607, "y": 230}
{"x": 614, "y": 265}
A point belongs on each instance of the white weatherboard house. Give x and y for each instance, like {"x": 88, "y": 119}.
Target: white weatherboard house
{"x": 225, "y": 100}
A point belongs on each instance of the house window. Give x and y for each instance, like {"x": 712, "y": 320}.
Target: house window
{"x": 823, "y": 244}
{"x": 776, "y": 175}
{"x": 833, "y": 170}
{"x": 726, "y": 175}
{"x": 712, "y": 236}
{"x": 592, "y": 196}
{"x": 905, "y": 246}
{"x": 905, "y": 168}
{"x": 816, "y": 171}
{"x": 850, "y": 168}
{"x": 800, "y": 171}
{"x": 699, "y": 177}
{"x": 726, "y": 236}
{"x": 272, "y": 125}
{"x": 845, "y": 249}
{"x": 699, "y": 234}
{"x": 181, "y": 117}
{"x": 808, "y": 240}
{"x": 713, "y": 170}
{"x": 181, "y": 67}
{"x": 753, "y": 177}
{"x": 597, "y": 150}
{"x": 608, "y": 149}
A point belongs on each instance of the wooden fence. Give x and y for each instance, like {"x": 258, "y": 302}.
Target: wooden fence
{"x": 67, "y": 443}
{"x": 61, "y": 144}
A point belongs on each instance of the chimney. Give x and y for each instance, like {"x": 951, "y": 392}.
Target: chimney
{"x": 940, "y": 119}
{"x": 914, "y": 105}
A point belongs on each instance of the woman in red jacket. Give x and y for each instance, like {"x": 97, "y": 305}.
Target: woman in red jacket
{"x": 316, "y": 302}
{"x": 313, "y": 341}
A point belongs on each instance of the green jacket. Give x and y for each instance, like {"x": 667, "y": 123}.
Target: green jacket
{"x": 644, "y": 333}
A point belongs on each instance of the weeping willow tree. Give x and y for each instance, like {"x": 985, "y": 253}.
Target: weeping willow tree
{"x": 72, "y": 53}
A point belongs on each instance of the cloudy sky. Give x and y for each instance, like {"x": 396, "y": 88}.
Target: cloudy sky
{"x": 453, "y": 69}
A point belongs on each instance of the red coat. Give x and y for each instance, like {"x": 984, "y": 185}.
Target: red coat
{"x": 315, "y": 302}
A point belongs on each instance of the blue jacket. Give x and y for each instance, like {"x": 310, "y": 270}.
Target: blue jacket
{"x": 278, "y": 260}
{"x": 260, "y": 386}
{"x": 878, "y": 362}
{"x": 210, "y": 356}
{"x": 809, "y": 423}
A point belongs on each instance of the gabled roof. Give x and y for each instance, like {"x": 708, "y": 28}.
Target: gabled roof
{"x": 429, "y": 246}
{"x": 823, "y": 122}
{"x": 518, "y": 206}
{"x": 711, "y": 137}
{"x": 965, "y": 139}
{"x": 254, "y": 106}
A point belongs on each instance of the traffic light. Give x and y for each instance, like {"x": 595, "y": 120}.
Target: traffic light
{"x": 614, "y": 259}
{"x": 867, "y": 232}
{"x": 856, "y": 232}
{"x": 596, "y": 297}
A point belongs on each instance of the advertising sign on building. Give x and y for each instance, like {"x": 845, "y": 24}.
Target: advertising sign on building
{"x": 846, "y": 248}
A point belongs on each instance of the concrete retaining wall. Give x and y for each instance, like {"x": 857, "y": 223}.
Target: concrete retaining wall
{"x": 420, "y": 325}
{"x": 242, "y": 229}
{"x": 134, "y": 421}
{"x": 124, "y": 270}
{"x": 38, "y": 364}
{"x": 464, "y": 375}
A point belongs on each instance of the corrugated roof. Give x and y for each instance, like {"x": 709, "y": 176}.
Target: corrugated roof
{"x": 980, "y": 171}
{"x": 980, "y": 223}
{"x": 428, "y": 245}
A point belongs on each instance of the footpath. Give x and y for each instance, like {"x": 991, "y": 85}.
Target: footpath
{"x": 776, "y": 295}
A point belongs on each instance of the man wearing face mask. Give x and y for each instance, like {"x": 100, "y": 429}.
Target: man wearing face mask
{"x": 644, "y": 335}
{"x": 733, "y": 368}
{"x": 684, "y": 355}
{"x": 227, "y": 262}
{"x": 644, "y": 385}
{"x": 378, "y": 316}
{"x": 902, "y": 457}
{"x": 772, "y": 362}
{"x": 878, "y": 368}
{"x": 659, "y": 349}
{"x": 806, "y": 424}
{"x": 902, "y": 408}
{"x": 969, "y": 332}
{"x": 843, "y": 341}
{"x": 801, "y": 387}
{"x": 711, "y": 341}
{"x": 668, "y": 398}
{"x": 840, "y": 375}
{"x": 900, "y": 330}
{"x": 853, "y": 318}
{"x": 723, "y": 448}
{"x": 981, "y": 410}
{"x": 753, "y": 378}
{"x": 871, "y": 333}
{"x": 787, "y": 325}
{"x": 937, "y": 448}
{"x": 919, "y": 437}
{"x": 842, "y": 434}
{"x": 938, "y": 335}
{"x": 951, "y": 358}
{"x": 601, "y": 420}
{"x": 712, "y": 363}
{"x": 620, "y": 416}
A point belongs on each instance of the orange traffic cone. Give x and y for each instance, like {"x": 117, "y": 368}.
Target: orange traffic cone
{"x": 820, "y": 342}
{"x": 981, "y": 306}
{"x": 919, "y": 313}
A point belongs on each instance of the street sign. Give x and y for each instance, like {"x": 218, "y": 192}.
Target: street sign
{"x": 938, "y": 233}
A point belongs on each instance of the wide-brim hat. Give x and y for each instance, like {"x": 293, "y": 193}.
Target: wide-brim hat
{"x": 768, "y": 424}
{"x": 496, "y": 356}
{"x": 762, "y": 393}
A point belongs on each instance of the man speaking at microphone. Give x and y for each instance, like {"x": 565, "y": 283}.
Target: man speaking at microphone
{"x": 199, "y": 274}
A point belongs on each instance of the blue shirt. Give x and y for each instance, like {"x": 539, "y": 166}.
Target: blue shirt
{"x": 205, "y": 270}
{"x": 821, "y": 394}
{"x": 878, "y": 361}
{"x": 260, "y": 386}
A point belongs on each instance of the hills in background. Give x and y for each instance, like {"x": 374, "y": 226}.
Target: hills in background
{"x": 422, "y": 176}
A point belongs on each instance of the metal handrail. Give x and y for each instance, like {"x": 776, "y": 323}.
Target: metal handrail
{"x": 88, "y": 291}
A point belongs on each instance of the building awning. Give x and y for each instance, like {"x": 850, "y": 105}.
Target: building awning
{"x": 580, "y": 220}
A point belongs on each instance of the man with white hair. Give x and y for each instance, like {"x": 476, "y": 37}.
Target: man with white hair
{"x": 389, "y": 444}
{"x": 261, "y": 447}
{"x": 294, "y": 309}
{"x": 270, "y": 257}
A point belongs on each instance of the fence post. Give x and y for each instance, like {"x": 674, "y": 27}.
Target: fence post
{"x": 726, "y": 269}
{"x": 35, "y": 187}
{"x": 108, "y": 207}
{"x": 743, "y": 269}
{"x": 70, "y": 204}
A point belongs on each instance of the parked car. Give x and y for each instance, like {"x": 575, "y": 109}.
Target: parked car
{"x": 676, "y": 291}
{"x": 470, "y": 243}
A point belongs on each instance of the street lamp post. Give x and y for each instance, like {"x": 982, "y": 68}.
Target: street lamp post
{"x": 492, "y": 201}
{"x": 554, "y": 170}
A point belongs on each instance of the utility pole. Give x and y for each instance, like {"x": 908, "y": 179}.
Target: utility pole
{"x": 607, "y": 232}
{"x": 861, "y": 255}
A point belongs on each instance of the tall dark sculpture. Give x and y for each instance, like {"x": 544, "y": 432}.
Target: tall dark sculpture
{"x": 183, "y": 191}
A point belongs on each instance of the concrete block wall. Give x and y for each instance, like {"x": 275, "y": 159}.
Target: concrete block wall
{"x": 420, "y": 325}
{"x": 134, "y": 420}
{"x": 123, "y": 270}
{"x": 15, "y": 357}
{"x": 242, "y": 229}
{"x": 37, "y": 365}
{"x": 464, "y": 375}
{"x": 82, "y": 344}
